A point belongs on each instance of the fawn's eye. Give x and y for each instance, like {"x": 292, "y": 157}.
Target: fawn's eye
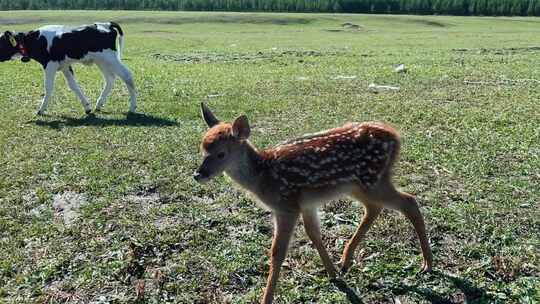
{"x": 221, "y": 155}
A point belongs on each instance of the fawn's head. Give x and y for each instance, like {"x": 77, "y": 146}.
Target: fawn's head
{"x": 221, "y": 146}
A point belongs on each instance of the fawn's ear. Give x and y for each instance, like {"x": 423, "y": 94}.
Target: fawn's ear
{"x": 240, "y": 127}
{"x": 208, "y": 116}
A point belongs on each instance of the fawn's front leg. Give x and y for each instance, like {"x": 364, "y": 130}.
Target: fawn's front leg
{"x": 283, "y": 229}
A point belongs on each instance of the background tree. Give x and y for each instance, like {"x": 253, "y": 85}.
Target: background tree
{"x": 450, "y": 7}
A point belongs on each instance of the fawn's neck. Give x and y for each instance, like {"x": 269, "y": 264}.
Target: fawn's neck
{"x": 246, "y": 172}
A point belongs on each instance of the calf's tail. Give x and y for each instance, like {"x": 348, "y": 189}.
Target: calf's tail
{"x": 117, "y": 28}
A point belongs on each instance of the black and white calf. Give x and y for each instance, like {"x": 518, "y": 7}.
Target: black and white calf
{"x": 57, "y": 47}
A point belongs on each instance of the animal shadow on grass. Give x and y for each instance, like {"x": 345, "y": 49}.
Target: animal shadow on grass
{"x": 468, "y": 292}
{"x": 134, "y": 120}
{"x": 349, "y": 292}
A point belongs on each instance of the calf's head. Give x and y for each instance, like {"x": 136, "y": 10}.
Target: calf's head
{"x": 221, "y": 146}
{"x": 8, "y": 46}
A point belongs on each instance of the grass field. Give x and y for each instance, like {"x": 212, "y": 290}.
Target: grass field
{"x": 104, "y": 209}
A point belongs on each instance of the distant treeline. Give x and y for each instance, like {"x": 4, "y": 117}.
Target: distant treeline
{"x": 448, "y": 7}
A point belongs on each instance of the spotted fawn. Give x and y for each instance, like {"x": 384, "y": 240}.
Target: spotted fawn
{"x": 296, "y": 177}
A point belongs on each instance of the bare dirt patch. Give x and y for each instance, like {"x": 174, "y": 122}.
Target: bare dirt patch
{"x": 146, "y": 199}
{"x": 500, "y": 51}
{"x": 67, "y": 205}
{"x": 422, "y": 21}
{"x": 346, "y": 27}
{"x": 350, "y": 25}
{"x": 195, "y": 58}
{"x": 430, "y": 23}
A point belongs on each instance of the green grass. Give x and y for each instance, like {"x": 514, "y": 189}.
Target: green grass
{"x": 470, "y": 153}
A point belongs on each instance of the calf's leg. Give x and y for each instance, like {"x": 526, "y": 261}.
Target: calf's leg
{"x": 109, "y": 83}
{"x": 118, "y": 68}
{"x": 72, "y": 83}
{"x": 50, "y": 75}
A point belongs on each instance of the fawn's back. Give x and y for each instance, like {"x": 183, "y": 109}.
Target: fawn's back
{"x": 357, "y": 152}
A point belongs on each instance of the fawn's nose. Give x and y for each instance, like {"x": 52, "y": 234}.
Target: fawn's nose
{"x": 200, "y": 175}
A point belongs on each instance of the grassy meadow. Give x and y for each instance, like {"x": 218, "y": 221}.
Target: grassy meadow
{"x": 103, "y": 209}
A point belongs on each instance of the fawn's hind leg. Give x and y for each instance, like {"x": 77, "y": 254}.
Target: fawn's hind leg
{"x": 371, "y": 213}
{"x": 405, "y": 203}
{"x": 409, "y": 207}
{"x": 385, "y": 195}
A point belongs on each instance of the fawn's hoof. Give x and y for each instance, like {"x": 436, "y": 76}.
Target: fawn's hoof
{"x": 339, "y": 283}
{"x": 344, "y": 268}
{"x": 426, "y": 268}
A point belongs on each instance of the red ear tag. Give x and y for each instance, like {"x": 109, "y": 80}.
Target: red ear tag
{"x": 24, "y": 53}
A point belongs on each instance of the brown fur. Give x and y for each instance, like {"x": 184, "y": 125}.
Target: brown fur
{"x": 216, "y": 135}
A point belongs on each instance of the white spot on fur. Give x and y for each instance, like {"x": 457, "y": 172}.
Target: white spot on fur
{"x": 52, "y": 31}
{"x": 104, "y": 27}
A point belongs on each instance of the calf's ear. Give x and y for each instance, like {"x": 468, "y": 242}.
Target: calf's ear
{"x": 10, "y": 38}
